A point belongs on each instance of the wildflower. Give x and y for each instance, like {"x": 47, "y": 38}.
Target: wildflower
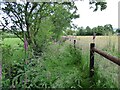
{"x": 0, "y": 71}
{"x": 25, "y": 44}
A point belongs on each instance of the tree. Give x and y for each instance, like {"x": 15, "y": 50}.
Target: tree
{"x": 80, "y": 31}
{"x": 70, "y": 32}
{"x": 43, "y": 36}
{"x": 89, "y": 31}
{"x": 97, "y": 3}
{"x": 108, "y": 29}
{"x": 118, "y": 30}
{"x": 100, "y": 30}
{"x": 28, "y": 17}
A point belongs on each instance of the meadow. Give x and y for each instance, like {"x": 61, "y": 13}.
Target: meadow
{"x": 108, "y": 44}
{"x": 44, "y": 59}
{"x": 61, "y": 65}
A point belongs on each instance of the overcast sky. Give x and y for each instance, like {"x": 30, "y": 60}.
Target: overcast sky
{"x": 93, "y": 19}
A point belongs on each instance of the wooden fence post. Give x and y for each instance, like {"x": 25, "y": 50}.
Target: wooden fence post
{"x": 92, "y": 45}
{"x": 74, "y": 43}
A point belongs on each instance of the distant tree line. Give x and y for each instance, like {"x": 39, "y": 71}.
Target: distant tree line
{"x": 99, "y": 30}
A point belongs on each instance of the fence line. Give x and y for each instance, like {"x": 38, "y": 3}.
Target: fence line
{"x": 104, "y": 54}
{"x": 108, "y": 56}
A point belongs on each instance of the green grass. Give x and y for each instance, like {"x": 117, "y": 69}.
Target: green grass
{"x": 61, "y": 66}
{"x": 15, "y": 45}
{"x": 12, "y": 41}
{"x": 105, "y": 68}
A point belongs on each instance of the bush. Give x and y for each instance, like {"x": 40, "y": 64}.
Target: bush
{"x": 10, "y": 58}
{"x": 48, "y": 71}
{"x": 43, "y": 36}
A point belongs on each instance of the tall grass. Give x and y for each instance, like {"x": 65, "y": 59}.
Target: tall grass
{"x": 105, "y": 68}
{"x": 61, "y": 66}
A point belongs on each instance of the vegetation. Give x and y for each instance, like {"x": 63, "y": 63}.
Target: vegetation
{"x": 28, "y": 18}
{"x": 99, "y": 30}
{"x": 32, "y": 18}
{"x": 118, "y": 30}
{"x": 34, "y": 55}
{"x": 61, "y": 66}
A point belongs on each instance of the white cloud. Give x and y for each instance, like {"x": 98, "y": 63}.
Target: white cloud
{"x": 92, "y": 19}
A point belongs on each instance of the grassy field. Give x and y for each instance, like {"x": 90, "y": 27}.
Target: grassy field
{"x": 12, "y": 42}
{"x": 62, "y": 65}
{"x": 101, "y": 42}
{"x": 108, "y": 44}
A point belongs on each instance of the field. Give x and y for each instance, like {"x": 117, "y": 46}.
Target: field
{"x": 108, "y": 44}
{"x": 101, "y": 42}
{"x": 63, "y": 67}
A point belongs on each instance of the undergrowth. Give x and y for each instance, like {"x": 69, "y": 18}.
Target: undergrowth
{"x": 61, "y": 66}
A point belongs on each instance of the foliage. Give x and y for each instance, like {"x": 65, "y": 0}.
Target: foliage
{"x": 23, "y": 16}
{"x": 118, "y": 30}
{"x": 99, "y": 30}
{"x": 61, "y": 66}
{"x": 27, "y": 20}
{"x": 44, "y": 35}
{"x": 35, "y": 20}
{"x": 26, "y": 15}
{"x": 69, "y": 32}
{"x": 101, "y": 3}
{"x": 38, "y": 70}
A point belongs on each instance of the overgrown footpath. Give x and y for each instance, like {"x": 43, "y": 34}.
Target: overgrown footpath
{"x": 60, "y": 66}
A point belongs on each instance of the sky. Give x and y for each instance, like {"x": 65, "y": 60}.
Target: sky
{"x": 93, "y": 19}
